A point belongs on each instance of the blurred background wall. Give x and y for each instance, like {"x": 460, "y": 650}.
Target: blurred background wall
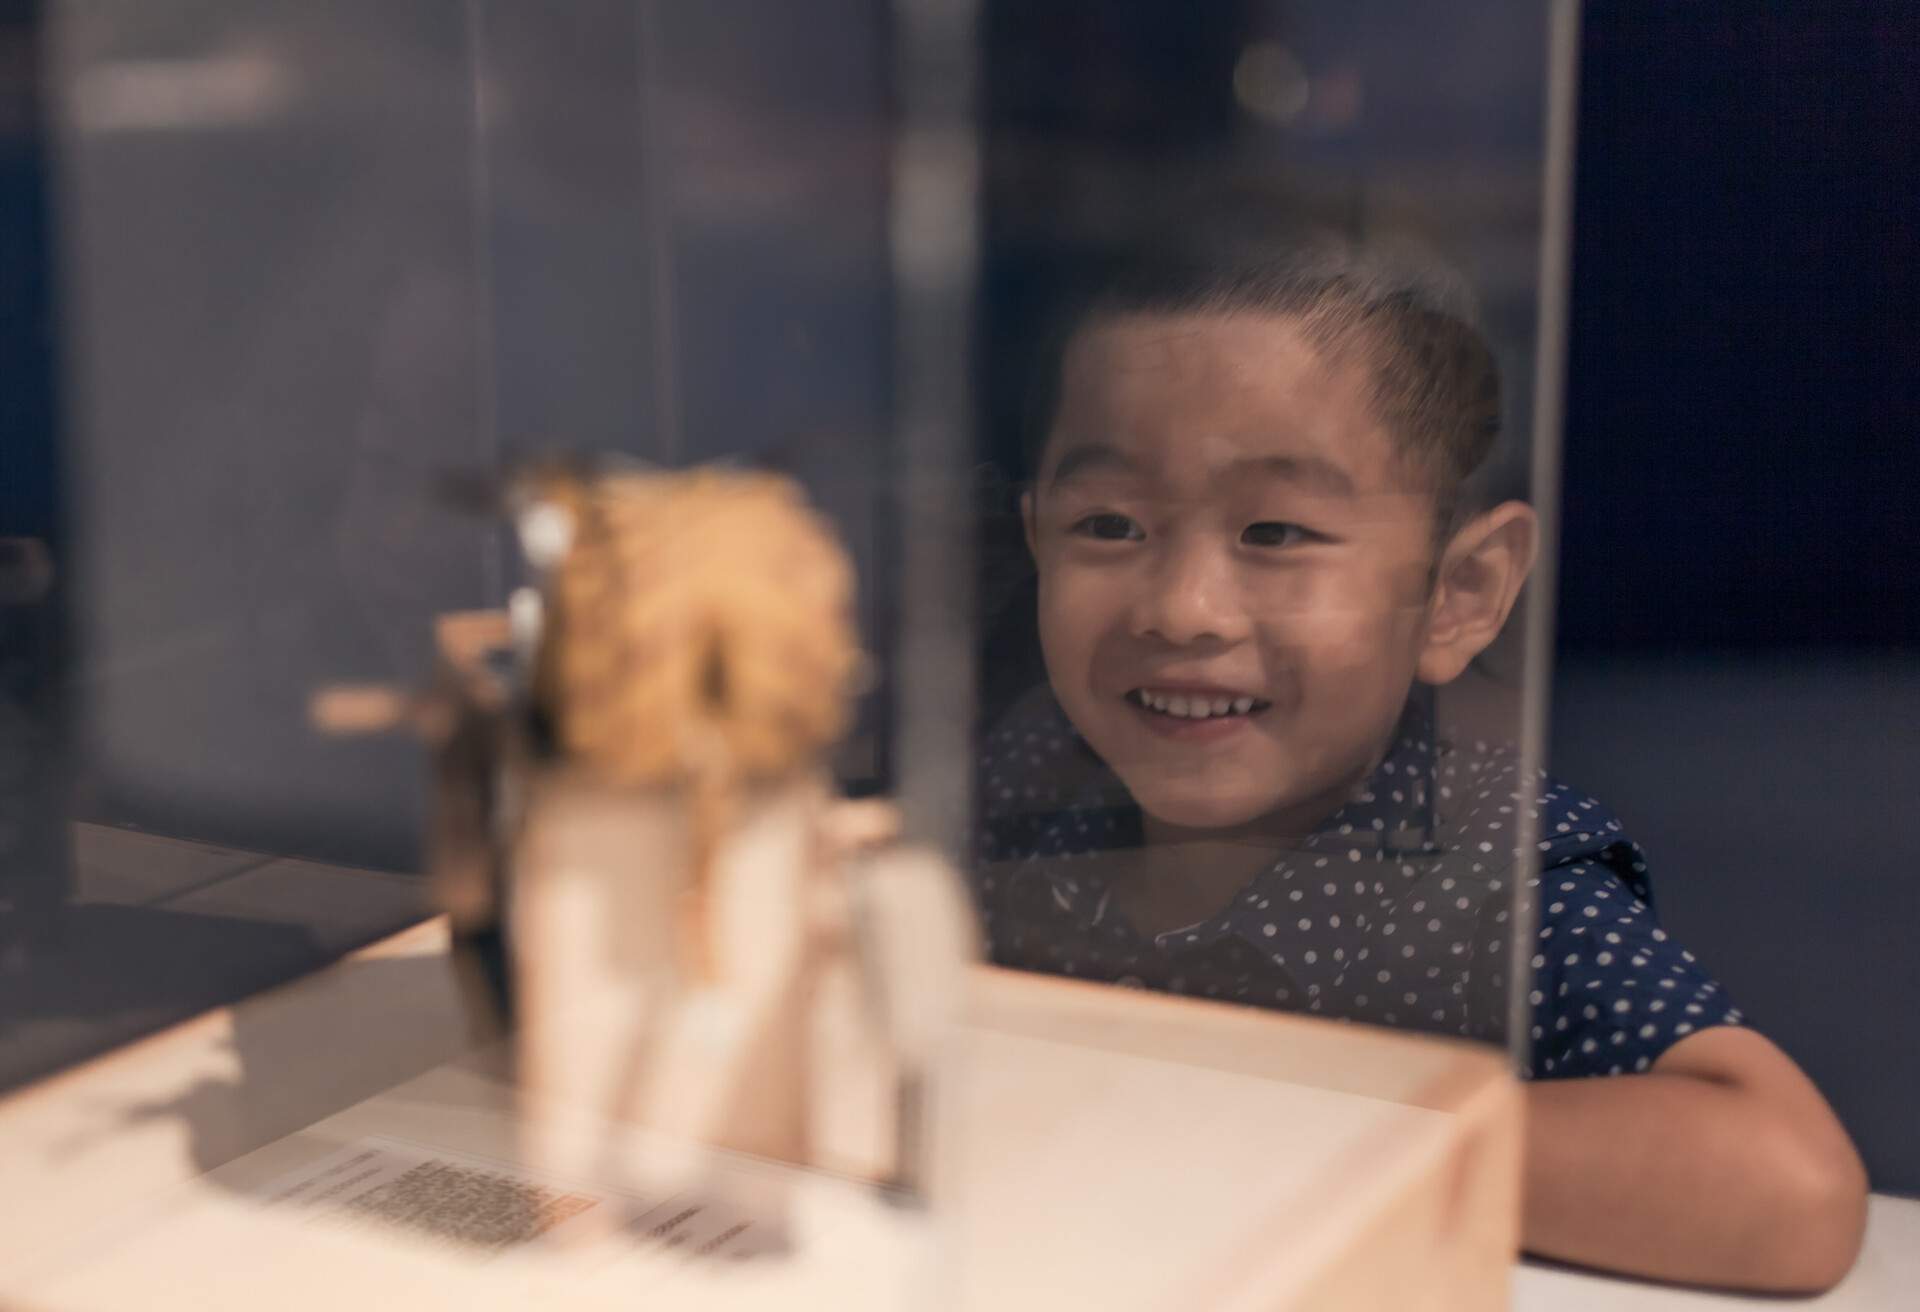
{"x": 1738, "y": 672}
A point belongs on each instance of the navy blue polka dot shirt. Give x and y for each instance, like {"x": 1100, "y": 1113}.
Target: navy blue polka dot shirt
{"x": 1399, "y": 909}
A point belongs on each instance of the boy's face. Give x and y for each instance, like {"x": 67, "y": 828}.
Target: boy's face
{"x": 1233, "y": 564}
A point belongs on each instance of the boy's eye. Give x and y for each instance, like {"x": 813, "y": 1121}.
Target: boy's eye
{"x": 1273, "y": 533}
{"x": 1108, "y": 527}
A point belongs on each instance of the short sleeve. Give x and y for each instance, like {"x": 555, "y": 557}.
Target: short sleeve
{"x": 1611, "y": 990}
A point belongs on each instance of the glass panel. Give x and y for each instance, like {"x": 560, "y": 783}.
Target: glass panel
{"x": 1263, "y": 349}
{"x": 315, "y": 257}
{"x": 266, "y": 298}
{"x": 321, "y": 264}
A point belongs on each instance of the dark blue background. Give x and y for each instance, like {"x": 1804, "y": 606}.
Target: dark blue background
{"x": 1741, "y": 454}
{"x": 1738, "y": 673}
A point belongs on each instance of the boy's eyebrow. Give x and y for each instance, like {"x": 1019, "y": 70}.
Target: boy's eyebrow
{"x": 1090, "y": 455}
{"x": 1308, "y": 471}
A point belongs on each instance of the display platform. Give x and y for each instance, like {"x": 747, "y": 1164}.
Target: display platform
{"x": 344, "y": 1140}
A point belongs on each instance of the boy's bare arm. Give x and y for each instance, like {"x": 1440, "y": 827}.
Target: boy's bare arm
{"x": 1722, "y": 1165}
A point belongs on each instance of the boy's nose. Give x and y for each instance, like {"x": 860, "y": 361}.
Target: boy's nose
{"x": 1190, "y": 597}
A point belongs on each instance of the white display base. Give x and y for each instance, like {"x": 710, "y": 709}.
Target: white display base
{"x": 1099, "y": 1148}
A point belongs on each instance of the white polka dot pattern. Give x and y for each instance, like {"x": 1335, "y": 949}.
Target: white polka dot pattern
{"x": 1398, "y": 910}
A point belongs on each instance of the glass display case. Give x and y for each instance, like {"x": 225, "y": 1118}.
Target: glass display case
{"x": 1183, "y": 389}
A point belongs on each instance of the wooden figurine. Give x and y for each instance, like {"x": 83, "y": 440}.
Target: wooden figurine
{"x": 704, "y": 937}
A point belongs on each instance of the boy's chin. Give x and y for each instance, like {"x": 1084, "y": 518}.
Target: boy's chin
{"x": 1206, "y": 811}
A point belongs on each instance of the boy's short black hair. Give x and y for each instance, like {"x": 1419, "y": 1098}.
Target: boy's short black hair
{"x": 1435, "y": 384}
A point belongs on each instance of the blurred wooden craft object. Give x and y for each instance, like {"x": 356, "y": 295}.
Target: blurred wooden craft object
{"x": 630, "y": 774}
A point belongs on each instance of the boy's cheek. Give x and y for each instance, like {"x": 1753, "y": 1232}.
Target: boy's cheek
{"x": 1076, "y": 607}
{"x": 1340, "y": 638}
{"x": 1356, "y": 643}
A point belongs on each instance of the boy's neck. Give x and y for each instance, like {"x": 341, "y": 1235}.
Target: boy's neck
{"x": 1176, "y": 884}
{"x": 1279, "y": 828}
{"x": 1192, "y": 874}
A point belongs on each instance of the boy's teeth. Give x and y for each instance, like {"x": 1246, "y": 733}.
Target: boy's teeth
{"x": 1194, "y": 707}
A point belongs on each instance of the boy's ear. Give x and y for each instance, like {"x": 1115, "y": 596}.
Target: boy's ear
{"x": 1026, "y": 521}
{"x": 1480, "y": 575}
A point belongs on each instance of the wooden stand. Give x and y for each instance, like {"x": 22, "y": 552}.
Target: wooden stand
{"x": 1097, "y": 1147}
{"x": 806, "y": 1042}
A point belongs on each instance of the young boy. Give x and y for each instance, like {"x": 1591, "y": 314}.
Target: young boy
{"x": 1256, "y": 561}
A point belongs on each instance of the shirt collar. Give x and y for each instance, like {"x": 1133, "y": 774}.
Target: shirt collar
{"x": 1390, "y": 817}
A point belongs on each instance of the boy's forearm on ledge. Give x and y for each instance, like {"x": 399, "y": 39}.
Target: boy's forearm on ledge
{"x": 1723, "y": 1167}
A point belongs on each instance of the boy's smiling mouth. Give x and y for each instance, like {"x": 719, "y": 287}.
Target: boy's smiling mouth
{"x": 1195, "y": 711}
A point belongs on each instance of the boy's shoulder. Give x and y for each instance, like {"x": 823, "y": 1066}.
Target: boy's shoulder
{"x": 1476, "y": 796}
{"x": 1575, "y": 829}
